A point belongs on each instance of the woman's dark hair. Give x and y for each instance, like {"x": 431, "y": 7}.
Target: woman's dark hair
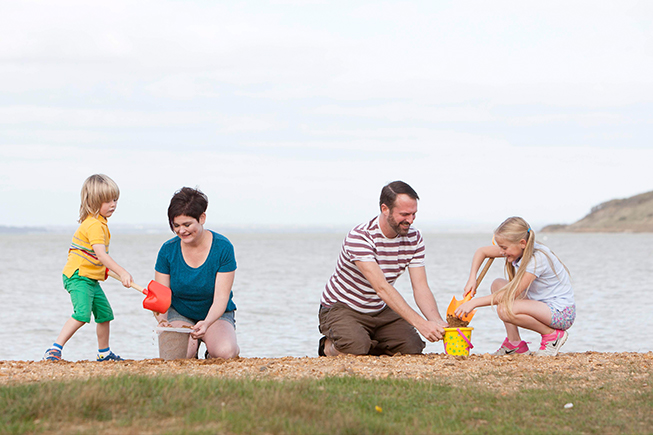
{"x": 187, "y": 202}
{"x": 390, "y": 191}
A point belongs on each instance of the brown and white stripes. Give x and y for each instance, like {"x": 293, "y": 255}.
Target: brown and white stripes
{"x": 366, "y": 242}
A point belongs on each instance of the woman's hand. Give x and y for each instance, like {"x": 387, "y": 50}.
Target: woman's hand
{"x": 162, "y": 320}
{"x": 199, "y": 329}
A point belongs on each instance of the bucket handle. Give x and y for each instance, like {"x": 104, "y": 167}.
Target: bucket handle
{"x": 471, "y": 346}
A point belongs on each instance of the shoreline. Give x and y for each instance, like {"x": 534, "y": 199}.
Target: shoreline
{"x": 505, "y": 373}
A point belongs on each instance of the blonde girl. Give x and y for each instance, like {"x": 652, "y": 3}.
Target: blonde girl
{"x": 88, "y": 260}
{"x": 537, "y": 294}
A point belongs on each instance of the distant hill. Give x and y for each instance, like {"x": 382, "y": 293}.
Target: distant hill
{"x": 634, "y": 214}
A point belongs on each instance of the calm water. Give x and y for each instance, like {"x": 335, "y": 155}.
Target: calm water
{"x": 280, "y": 278}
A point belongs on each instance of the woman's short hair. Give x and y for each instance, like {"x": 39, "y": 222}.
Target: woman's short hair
{"x": 187, "y": 202}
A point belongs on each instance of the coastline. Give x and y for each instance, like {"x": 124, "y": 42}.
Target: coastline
{"x": 505, "y": 374}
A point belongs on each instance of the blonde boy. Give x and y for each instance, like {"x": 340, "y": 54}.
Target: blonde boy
{"x": 88, "y": 260}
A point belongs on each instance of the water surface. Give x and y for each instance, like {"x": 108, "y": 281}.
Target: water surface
{"x": 280, "y": 278}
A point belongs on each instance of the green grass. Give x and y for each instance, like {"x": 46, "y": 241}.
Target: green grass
{"x": 184, "y": 404}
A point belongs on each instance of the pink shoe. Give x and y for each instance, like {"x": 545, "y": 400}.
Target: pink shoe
{"x": 551, "y": 346}
{"x": 508, "y": 349}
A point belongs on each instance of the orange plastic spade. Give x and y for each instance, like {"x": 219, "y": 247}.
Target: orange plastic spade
{"x": 157, "y": 296}
{"x": 455, "y": 303}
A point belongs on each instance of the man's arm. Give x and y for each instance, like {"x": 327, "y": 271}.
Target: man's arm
{"x": 430, "y": 330}
{"x": 423, "y": 295}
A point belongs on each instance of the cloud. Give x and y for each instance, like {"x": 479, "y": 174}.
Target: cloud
{"x": 298, "y": 112}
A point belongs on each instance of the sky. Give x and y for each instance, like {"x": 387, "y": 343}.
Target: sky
{"x": 296, "y": 113}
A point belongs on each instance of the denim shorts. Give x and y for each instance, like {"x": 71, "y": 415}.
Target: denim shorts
{"x": 562, "y": 319}
{"x": 229, "y": 316}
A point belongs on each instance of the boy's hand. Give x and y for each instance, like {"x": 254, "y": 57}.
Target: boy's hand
{"x": 126, "y": 279}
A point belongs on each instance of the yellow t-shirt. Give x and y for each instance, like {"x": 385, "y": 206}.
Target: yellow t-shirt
{"x": 93, "y": 231}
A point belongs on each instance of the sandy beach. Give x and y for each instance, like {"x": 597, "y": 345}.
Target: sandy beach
{"x": 504, "y": 374}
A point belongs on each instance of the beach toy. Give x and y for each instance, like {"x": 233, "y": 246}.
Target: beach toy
{"x": 457, "y": 341}
{"x": 157, "y": 296}
{"x": 173, "y": 342}
{"x": 455, "y": 303}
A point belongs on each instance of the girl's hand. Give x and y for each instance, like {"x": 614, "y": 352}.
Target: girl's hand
{"x": 465, "y": 309}
{"x": 199, "y": 329}
{"x": 470, "y": 286}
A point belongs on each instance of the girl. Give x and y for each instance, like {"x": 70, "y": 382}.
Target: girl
{"x": 88, "y": 259}
{"x": 537, "y": 295}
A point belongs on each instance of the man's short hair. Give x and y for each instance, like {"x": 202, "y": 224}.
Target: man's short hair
{"x": 391, "y": 190}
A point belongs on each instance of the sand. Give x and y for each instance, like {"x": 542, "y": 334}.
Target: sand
{"x": 506, "y": 373}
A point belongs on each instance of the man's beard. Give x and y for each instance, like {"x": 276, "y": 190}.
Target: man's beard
{"x": 396, "y": 227}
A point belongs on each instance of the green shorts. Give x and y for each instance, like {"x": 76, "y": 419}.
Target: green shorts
{"x": 87, "y": 297}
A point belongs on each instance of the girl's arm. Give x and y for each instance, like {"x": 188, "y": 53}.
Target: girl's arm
{"x": 162, "y": 279}
{"x": 101, "y": 252}
{"x": 223, "y": 283}
{"x": 479, "y": 256}
{"x": 488, "y": 300}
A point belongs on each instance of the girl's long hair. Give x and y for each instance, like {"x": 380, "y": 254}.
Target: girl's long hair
{"x": 513, "y": 230}
{"x": 96, "y": 190}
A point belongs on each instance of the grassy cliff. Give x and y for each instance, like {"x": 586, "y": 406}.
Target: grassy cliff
{"x": 634, "y": 214}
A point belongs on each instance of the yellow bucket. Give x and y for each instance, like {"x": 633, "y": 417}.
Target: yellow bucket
{"x": 457, "y": 341}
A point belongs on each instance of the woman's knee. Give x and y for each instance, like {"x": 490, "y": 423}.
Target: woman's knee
{"x": 225, "y": 350}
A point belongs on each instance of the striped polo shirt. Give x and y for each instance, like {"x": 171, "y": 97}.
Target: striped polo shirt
{"x": 367, "y": 242}
{"x": 81, "y": 256}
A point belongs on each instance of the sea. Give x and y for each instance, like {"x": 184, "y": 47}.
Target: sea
{"x": 281, "y": 275}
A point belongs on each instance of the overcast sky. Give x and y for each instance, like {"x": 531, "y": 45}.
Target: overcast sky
{"x": 296, "y": 113}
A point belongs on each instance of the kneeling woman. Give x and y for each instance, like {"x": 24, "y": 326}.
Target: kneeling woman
{"x": 199, "y": 267}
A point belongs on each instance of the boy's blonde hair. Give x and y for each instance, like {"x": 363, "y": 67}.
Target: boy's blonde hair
{"x": 96, "y": 190}
{"x": 513, "y": 230}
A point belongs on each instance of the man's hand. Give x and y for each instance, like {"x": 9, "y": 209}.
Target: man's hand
{"x": 432, "y": 330}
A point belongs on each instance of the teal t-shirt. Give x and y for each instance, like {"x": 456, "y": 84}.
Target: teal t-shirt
{"x": 193, "y": 288}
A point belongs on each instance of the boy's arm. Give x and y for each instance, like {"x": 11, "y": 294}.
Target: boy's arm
{"x": 101, "y": 252}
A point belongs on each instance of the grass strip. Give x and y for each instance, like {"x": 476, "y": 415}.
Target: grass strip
{"x": 343, "y": 405}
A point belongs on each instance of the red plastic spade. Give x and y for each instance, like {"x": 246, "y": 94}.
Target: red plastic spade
{"x": 157, "y": 296}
